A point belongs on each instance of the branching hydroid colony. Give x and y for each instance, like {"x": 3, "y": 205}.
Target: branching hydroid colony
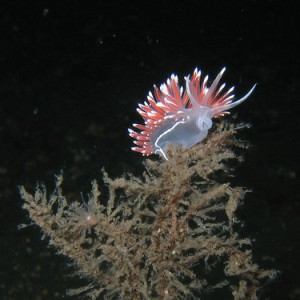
{"x": 170, "y": 234}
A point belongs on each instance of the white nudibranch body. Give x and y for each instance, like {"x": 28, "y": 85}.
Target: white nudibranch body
{"x": 177, "y": 116}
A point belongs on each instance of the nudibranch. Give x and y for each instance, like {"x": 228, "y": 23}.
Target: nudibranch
{"x": 174, "y": 115}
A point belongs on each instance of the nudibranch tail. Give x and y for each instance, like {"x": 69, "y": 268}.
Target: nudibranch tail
{"x": 174, "y": 115}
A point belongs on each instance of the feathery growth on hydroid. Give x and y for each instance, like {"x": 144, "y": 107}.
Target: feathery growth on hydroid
{"x": 170, "y": 234}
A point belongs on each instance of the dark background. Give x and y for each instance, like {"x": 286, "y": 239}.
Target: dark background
{"x": 72, "y": 73}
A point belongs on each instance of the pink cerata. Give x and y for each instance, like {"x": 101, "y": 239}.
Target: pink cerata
{"x": 174, "y": 115}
